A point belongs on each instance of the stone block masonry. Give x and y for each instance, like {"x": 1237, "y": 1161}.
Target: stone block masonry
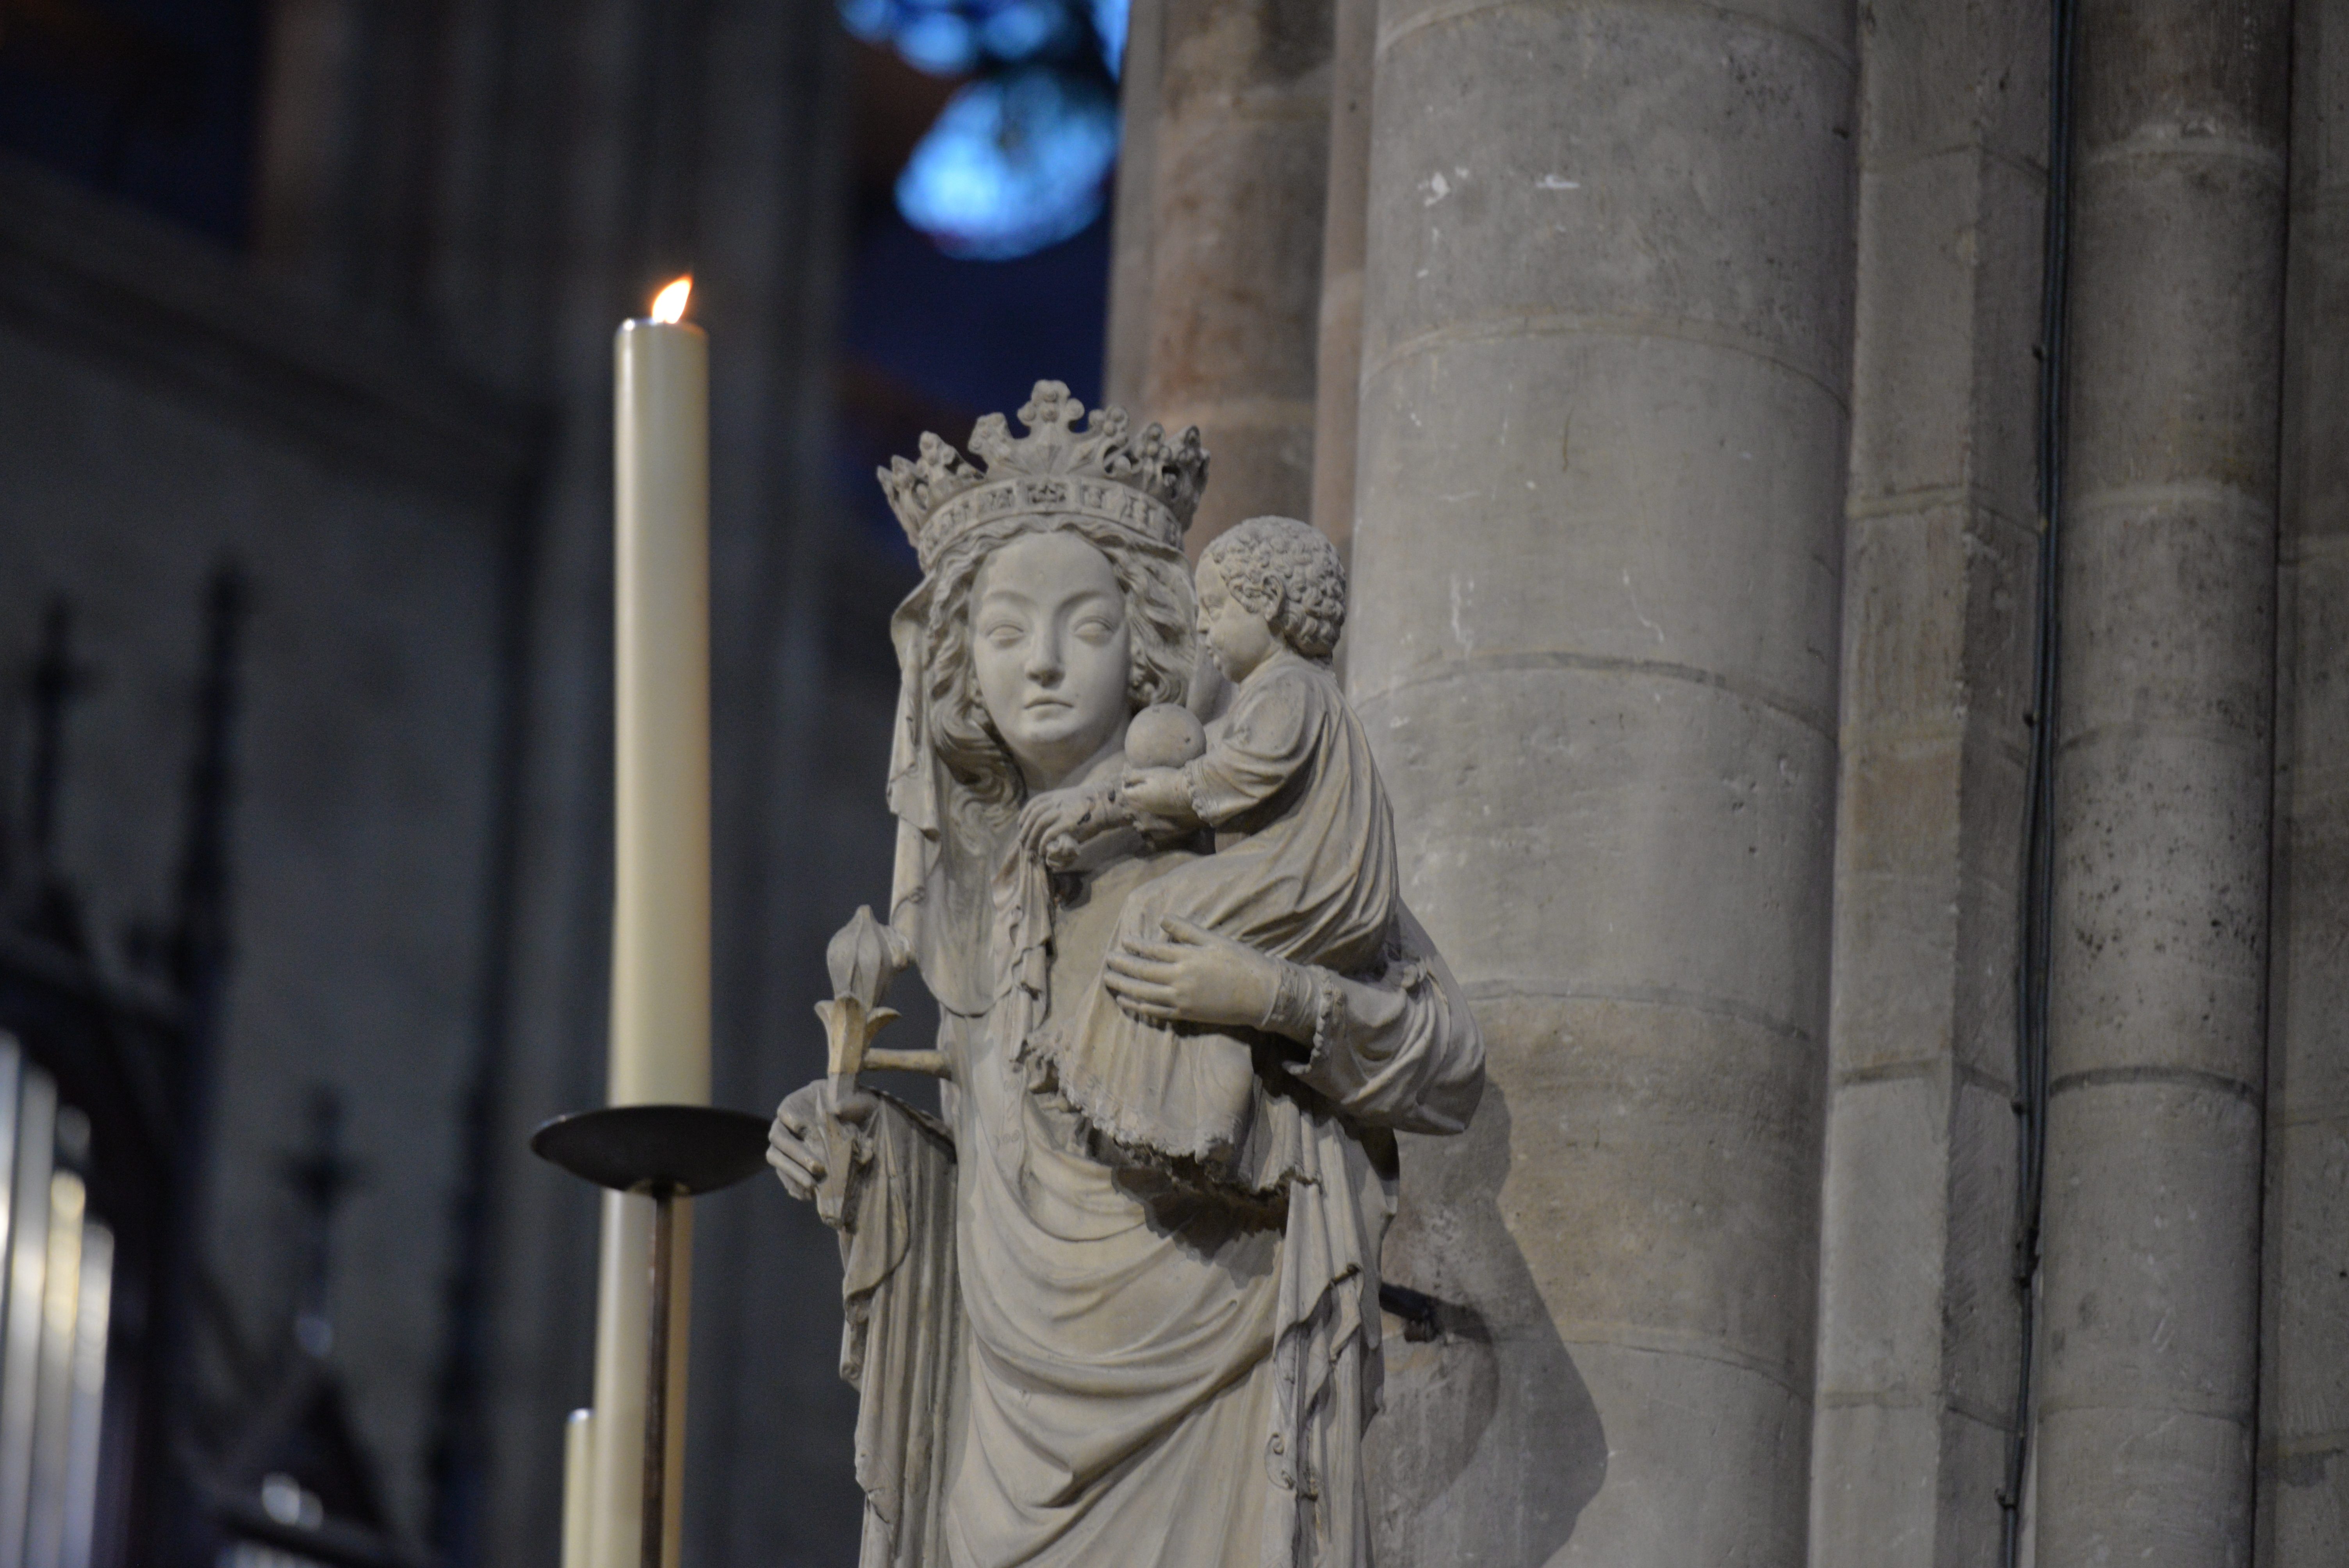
{"x": 1605, "y": 359}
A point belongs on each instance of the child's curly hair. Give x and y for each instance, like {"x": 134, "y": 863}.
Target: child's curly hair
{"x": 1288, "y": 573}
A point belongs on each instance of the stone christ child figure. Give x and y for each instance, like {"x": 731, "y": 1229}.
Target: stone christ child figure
{"x": 1310, "y": 878}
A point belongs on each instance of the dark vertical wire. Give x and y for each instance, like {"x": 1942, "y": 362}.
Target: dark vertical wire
{"x": 2037, "y": 912}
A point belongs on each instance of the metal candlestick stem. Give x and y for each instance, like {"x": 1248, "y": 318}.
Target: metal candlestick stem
{"x": 667, "y": 1152}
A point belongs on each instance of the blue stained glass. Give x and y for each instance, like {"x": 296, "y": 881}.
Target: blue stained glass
{"x": 1109, "y": 25}
{"x": 941, "y": 42}
{"x": 871, "y": 20}
{"x": 1022, "y": 28}
{"x": 1021, "y": 158}
{"x": 1015, "y": 163}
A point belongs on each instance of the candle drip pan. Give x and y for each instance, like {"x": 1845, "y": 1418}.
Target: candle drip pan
{"x": 678, "y": 1149}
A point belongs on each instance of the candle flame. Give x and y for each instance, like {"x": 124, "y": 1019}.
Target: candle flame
{"x": 669, "y": 304}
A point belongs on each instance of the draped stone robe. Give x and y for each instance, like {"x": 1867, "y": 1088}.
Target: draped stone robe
{"x": 1066, "y": 1359}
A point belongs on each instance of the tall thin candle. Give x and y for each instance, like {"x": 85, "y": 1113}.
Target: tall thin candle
{"x": 660, "y": 909}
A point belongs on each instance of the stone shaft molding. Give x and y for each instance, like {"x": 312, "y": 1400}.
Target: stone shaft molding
{"x": 1237, "y": 161}
{"x": 1918, "y": 1318}
{"x": 2303, "y": 1511}
{"x": 2157, "y": 1029}
{"x": 1606, "y": 336}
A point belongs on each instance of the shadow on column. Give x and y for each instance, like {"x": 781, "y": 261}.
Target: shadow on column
{"x": 1489, "y": 1446}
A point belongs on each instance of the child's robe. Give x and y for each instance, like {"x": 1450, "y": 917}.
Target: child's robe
{"x": 1310, "y": 878}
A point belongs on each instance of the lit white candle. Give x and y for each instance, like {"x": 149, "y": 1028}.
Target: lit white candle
{"x": 661, "y": 909}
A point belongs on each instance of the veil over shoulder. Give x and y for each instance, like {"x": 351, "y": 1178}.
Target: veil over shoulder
{"x": 1063, "y": 1359}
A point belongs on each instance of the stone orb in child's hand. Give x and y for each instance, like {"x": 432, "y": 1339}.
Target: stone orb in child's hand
{"x": 1165, "y": 735}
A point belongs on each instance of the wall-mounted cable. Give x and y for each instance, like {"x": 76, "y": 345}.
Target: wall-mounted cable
{"x": 2036, "y": 937}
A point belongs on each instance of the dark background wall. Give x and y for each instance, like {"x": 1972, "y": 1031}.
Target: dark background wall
{"x": 322, "y": 290}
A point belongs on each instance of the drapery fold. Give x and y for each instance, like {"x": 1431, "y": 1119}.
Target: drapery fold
{"x": 901, "y": 1342}
{"x": 1084, "y": 1276}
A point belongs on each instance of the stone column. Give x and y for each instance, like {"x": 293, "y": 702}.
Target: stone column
{"x": 2303, "y": 1518}
{"x": 1128, "y": 351}
{"x": 1337, "y": 383}
{"x": 1917, "y": 1319}
{"x": 1238, "y": 160}
{"x": 1600, "y": 519}
{"x": 2150, "y": 1287}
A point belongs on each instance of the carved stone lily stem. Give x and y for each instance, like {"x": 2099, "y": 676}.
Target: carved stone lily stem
{"x": 863, "y": 958}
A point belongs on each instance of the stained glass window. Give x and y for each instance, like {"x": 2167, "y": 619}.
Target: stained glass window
{"x": 1020, "y": 157}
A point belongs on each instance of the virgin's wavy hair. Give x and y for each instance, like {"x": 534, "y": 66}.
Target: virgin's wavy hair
{"x": 1160, "y": 612}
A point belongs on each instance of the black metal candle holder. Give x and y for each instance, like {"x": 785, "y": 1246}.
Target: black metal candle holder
{"x": 667, "y": 1152}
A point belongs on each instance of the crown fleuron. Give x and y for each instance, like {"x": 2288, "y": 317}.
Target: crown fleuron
{"x": 1148, "y": 484}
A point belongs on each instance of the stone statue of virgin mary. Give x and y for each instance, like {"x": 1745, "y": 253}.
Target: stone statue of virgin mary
{"x": 1065, "y": 1354}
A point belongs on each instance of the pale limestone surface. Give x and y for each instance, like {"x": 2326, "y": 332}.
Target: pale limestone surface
{"x": 1597, "y": 549}
{"x": 1234, "y": 165}
{"x": 2157, "y": 1032}
{"x": 1337, "y": 377}
{"x": 1069, "y": 1353}
{"x": 1126, "y": 355}
{"x": 1917, "y": 1315}
{"x": 2304, "y": 1487}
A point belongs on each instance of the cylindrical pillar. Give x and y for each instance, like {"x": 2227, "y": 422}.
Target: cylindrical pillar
{"x": 1606, "y": 340}
{"x": 2157, "y": 1026}
{"x": 1127, "y": 353}
{"x": 2304, "y": 1519}
{"x": 1238, "y": 162}
{"x": 1337, "y": 382}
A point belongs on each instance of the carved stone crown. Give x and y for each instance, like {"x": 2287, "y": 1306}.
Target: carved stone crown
{"x": 1149, "y": 486}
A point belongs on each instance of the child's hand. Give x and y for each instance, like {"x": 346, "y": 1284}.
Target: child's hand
{"x": 1157, "y": 793}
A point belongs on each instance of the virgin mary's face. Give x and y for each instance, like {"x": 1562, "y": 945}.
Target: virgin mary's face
{"x": 1051, "y": 652}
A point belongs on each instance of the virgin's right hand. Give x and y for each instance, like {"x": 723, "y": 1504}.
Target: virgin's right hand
{"x": 801, "y": 1129}
{"x": 1057, "y": 821}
